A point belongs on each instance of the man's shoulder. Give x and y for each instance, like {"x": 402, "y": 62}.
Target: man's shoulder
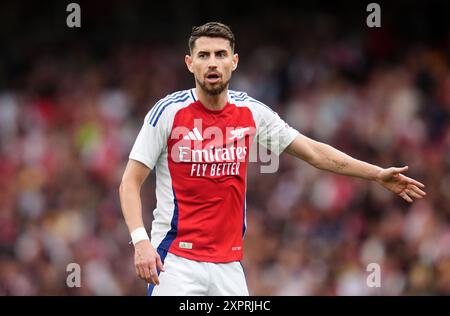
{"x": 241, "y": 98}
{"x": 169, "y": 105}
{"x": 178, "y": 97}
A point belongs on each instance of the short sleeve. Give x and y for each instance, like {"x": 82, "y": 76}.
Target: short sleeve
{"x": 272, "y": 131}
{"x": 151, "y": 141}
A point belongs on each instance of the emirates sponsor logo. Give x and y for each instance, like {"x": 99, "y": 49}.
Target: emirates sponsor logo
{"x": 223, "y": 149}
{"x": 213, "y": 154}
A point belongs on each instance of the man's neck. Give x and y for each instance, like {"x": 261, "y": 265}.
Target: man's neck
{"x": 212, "y": 102}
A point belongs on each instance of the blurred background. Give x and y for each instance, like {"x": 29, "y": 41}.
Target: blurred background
{"x": 73, "y": 100}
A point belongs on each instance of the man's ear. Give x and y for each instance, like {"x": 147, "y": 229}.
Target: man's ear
{"x": 188, "y": 61}
{"x": 235, "y": 61}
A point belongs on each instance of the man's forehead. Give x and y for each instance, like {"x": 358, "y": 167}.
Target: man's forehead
{"x": 205, "y": 43}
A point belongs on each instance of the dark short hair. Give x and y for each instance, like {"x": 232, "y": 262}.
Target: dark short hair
{"x": 211, "y": 29}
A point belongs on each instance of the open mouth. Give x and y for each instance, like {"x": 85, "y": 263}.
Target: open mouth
{"x": 212, "y": 77}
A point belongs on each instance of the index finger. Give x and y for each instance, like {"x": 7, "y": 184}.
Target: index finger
{"x": 154, "y": 273}
{"x": 419, "y": 184}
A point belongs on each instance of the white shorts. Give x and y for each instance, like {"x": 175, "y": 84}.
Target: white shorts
{"x": 184, "y": 277}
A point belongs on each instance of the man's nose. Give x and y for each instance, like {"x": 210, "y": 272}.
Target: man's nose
{"x": 212, "y": 62}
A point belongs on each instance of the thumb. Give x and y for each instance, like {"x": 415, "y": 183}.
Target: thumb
{"x": 159, "y": 263}
{"x": 400, "y": 170}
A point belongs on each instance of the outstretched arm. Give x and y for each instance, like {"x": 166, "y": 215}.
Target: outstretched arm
{"x": 325, "y": 157}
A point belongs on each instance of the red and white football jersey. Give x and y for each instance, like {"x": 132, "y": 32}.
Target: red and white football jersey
{"x": 201, "y": 158}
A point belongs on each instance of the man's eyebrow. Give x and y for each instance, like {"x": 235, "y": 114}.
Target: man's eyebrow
{"x": 208, "y": 52}
{"x": 220, "y": 51}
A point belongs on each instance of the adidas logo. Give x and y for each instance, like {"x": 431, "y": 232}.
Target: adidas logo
{"x": 194, "y": 135}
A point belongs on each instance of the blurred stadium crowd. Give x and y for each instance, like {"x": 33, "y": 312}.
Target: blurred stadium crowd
{"x": 66, "y": 131}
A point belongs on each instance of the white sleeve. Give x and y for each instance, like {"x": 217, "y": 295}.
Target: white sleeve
{"x": 151, "y": 140}
{"x": 272, "y": 131}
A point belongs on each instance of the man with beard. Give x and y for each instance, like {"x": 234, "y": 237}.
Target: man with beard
{"x": 198, "y": 140}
